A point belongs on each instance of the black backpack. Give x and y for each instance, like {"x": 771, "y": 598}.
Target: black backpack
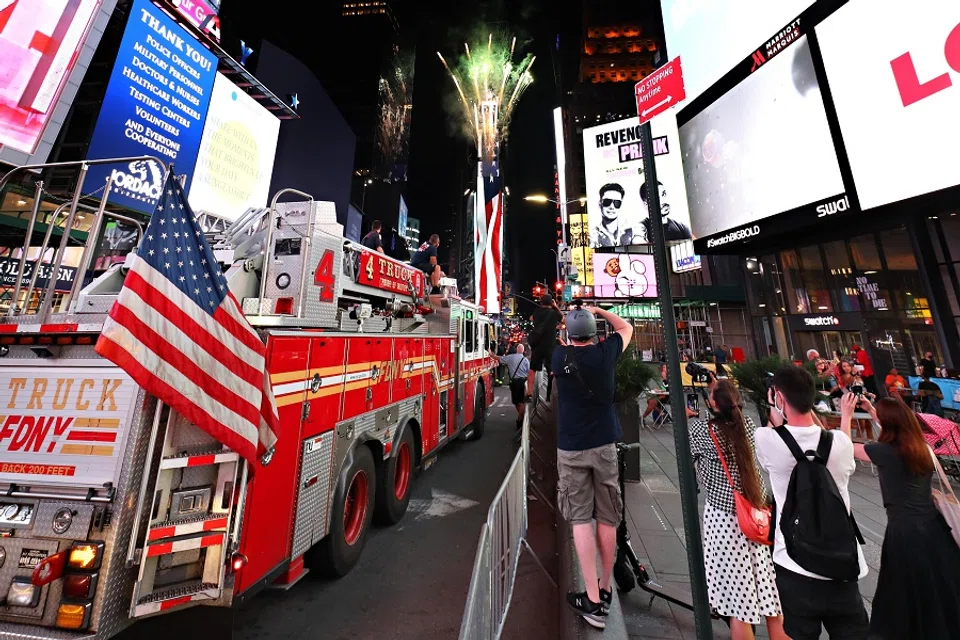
{"x": 819, "y": 531}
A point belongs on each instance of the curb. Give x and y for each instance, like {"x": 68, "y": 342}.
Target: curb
{"x": 572, "y": 626}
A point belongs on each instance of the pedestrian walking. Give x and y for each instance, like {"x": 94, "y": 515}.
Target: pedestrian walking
{"x": 919, "y": 583}
{"x": 741, "y": 583}
{"x": 816, "y": 553}
{"x": 588, "y": 488}
{"x": 517, "y": 365}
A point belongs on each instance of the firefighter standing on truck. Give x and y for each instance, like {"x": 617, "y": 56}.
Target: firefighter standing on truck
{"x": 543, "y": 338}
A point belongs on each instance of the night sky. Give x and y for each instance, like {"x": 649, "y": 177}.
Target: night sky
{"x": 437, "y": 158}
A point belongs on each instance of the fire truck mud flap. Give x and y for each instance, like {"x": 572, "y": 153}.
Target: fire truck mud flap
{"x": 350, "y": 516}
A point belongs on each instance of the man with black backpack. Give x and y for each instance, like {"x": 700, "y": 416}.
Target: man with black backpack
{"x": 587, "y": 430}
{"x": 817, "y": 544}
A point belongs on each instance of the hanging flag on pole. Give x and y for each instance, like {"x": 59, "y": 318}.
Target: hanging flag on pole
{"x": 178, "y": 331}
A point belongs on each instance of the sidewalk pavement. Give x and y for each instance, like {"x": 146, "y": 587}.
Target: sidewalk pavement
{"x": 656, "y": 521}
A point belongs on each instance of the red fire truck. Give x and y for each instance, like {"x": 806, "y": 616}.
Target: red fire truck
{"x": 113, "y": 507}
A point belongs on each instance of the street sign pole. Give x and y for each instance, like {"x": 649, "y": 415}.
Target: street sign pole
{"x": 681, "y": 437}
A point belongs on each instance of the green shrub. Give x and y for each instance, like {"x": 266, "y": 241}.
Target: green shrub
{"x": 631, "y": 376}
{"x": 750, "y": 377}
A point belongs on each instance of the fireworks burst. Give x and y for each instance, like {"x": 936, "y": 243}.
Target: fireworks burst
{"x": 489, "y": 85}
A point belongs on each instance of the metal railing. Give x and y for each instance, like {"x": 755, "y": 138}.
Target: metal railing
{"x": 502, "y": 540}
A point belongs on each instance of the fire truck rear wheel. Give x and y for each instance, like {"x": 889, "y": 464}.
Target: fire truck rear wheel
{"x": 475, "y": 430}
{"x": 350, "y": 517}
{"x": 393, "y": 486}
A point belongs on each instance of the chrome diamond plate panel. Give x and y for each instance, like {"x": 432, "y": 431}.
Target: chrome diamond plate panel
{"x": 313, "y": 499}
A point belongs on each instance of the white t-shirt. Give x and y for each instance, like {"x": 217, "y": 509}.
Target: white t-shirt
{"x": 775, "y": 458}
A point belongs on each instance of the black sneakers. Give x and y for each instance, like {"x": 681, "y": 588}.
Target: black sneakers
{"x": 605, "y": 598}
{"x": 590, "y": 611}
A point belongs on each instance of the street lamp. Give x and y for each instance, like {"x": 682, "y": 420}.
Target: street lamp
{"x": 363, "y": 199}
{"x": 545, "y": 199}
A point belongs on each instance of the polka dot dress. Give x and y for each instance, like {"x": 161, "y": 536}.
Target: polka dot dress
{"x": 740, "y": 575}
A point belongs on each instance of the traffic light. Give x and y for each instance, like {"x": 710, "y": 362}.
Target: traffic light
{"x": 537, "y": 291}
{"x": 558, "y": 285}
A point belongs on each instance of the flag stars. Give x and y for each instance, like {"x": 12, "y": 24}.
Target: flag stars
{"x": 166, "y": 265}
{"x": 179, "y": 249}
{"x": 166, "y": 249}
{"x": 206, "y": 276}
{"x": 162, "y": 221}
{"x": 196, "y": 292}
{"x": 209, "y": 289}
{"x": 182, "y": 279}
{"x": 163, "y": 236}
{"x": 150, "y": 237}
{"x": 176, "y": 234}
{"x": 151, "y": 252}
{"x": 180, "y": 264}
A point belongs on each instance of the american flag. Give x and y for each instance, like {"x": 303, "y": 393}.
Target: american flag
{"x": 178, "y": 331}
{"x": 489, "y": 224}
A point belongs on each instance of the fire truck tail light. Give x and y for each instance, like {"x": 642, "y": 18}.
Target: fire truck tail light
{"x": 85, "y": 556}
{"x": 80, "y": 586}
{"x": 238, "y": 562}
{"x": 73, "y": 615}
{"x": 284, "y": 306}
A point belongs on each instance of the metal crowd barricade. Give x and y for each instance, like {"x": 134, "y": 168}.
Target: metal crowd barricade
{"x": 502, "y": 539}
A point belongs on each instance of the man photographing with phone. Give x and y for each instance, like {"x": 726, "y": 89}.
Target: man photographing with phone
{"x": 587, "y": 430}
{"x": 816, "y": 553}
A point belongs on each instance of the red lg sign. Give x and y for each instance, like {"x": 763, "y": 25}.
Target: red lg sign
{"x": 908, "y": 82}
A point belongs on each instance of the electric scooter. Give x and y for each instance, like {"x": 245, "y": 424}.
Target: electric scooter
{"x": 627, "y": 569}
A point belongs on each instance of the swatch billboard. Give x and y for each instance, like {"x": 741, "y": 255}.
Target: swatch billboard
{"x": 155, "y": 104}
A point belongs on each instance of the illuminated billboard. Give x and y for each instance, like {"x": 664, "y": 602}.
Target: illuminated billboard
{"x": 617, "y": 187}
{"x": 713, "y": 37}
{"x": 155, "y": 104}
{"x": 624, "y": 275}
{"x": 45, "y": 47}
{"x": 236, "y": 156}
{"x": 902, "y": 76}
{"x": 741, "y": 184}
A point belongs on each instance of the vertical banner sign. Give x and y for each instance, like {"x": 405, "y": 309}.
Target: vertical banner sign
{"x": 156, "y": 104}
{"x": 556, "y": 196}
{"x": 580, "y": 250}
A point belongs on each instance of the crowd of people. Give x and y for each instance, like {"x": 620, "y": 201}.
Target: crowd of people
{"x": 788, "y": 554}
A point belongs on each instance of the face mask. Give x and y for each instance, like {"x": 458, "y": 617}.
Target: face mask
{"x": 776, "y": 405}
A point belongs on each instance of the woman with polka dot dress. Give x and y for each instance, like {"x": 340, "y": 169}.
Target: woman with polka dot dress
{"x": 741, "y": 582}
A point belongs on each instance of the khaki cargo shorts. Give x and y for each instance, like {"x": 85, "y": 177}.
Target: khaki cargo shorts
{"x": 589, "y": 486}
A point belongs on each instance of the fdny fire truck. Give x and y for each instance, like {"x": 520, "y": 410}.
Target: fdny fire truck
{"x": 148, "y": 514}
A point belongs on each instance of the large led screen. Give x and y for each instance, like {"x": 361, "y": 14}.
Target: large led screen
{"x": 155, "y": 104}
{"x": 39, "y": 45}
{"x": 236, "y": 156}
{"x": 762, "y": 149}
{"x": 712, "y": 36}
{"x": 624, "y": 275}
{"x": 617, "y": 189}
{"x": 896, "y": 89}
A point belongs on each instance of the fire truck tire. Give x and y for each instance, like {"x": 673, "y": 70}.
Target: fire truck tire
{"x": 394, "y": 485}
{"x": 475, "y": 430}
{"x": 350, "y": 517}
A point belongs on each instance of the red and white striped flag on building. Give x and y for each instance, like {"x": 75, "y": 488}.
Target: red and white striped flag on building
{"x": 178, "y": 331}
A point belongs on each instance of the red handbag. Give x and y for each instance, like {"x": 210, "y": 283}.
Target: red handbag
{"x": 754, "y": 522}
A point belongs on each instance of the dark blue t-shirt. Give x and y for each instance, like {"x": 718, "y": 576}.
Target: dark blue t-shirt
{"x": 422, "y": 257}
{"x": 587, "y": 420}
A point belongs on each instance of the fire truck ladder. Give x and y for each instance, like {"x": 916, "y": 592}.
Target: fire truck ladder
{"x": 183, "y": 555}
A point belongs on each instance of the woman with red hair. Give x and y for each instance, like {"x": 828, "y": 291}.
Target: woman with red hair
{"x": 919, "y": 584}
